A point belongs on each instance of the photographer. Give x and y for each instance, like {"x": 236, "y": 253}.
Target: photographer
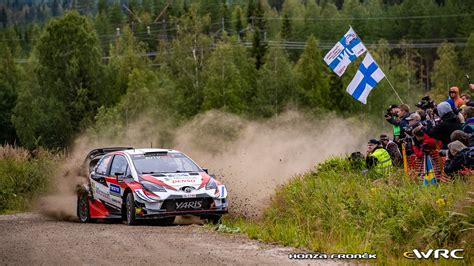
{"x": 392, "y": 117}
{"x": 449, "y": 123}
{"x": 426, "y": 108}
{"x": 459, "y": 158}
{"x": 413, "y": 121}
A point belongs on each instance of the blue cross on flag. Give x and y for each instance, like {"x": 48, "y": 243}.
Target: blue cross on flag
{"x": 344, "y": 52}
{"x": 368, "y": 75}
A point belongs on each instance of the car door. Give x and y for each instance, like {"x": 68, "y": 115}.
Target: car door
{"x": 100, "y": 188}
{"x": 119, "y": 168}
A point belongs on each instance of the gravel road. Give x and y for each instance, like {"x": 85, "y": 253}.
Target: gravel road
{"x": 30, "y": 238}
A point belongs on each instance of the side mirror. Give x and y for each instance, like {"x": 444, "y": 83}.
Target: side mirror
{"x": 119, "y": 177}
{"x": 206, "y": 170}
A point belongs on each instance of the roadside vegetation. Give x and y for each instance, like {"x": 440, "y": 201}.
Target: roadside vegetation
{"x": 338, "y": 209}
{"x": 23, "y": 177}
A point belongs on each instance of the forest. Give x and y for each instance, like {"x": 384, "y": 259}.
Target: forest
{"x": 70, "y": 66}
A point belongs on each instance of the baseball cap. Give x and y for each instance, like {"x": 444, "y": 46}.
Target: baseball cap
{"x": 374, "y": 141}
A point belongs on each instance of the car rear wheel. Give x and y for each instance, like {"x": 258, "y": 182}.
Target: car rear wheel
{"x": 83, "y": 210}
{"x": 130, "y": 210}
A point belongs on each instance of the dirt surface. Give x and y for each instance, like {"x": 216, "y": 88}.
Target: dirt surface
{"x": 31, "y": 238}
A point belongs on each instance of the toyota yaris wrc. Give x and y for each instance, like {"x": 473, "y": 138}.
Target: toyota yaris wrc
{"x": 134, "y": 184}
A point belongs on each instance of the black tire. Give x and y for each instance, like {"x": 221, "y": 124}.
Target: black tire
{"x": 214, "y": 219}
{"x": 131, "y": 218}
{"x": 165, "y": 221}
{"x": 83, "y": 208}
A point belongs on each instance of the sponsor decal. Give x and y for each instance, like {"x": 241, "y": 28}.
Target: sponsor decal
{"x": 114, "y": 189}
{"x": 189, "y": 195}
{"x": 434, "y": 254}
{"x": 189, "y": 205}
{"x": 178, "y": 175}
{"x": 350, "y": 38}
{"x": 101, "y": 193}
{"x": 182, "y": 181}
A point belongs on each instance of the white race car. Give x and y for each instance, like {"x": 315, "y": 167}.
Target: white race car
{"x": 134, "y": 184}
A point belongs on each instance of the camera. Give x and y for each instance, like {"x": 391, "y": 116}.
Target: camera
{"x": 388, "y": 112}
{"x": 426, "y": 103}
{"x": 409, "y": 129}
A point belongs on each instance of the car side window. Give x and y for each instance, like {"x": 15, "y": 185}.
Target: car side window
{"x": 103, "y": 165}
{"x": 119, "y": 165}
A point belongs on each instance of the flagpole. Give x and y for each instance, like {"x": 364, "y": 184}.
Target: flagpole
{"x": 394, "y": 89}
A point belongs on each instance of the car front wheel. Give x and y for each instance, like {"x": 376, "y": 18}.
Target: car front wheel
{"x": 130, "y": 209}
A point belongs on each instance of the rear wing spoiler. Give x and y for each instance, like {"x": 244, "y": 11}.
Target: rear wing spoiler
{"x": 102, "y": 151}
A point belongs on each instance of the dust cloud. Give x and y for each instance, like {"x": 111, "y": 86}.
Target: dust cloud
{"x": 252, "y": 158}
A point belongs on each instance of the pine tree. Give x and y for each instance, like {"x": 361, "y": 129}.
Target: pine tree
{"x": 238, "y": 25}
{"x": 286, "y": 28}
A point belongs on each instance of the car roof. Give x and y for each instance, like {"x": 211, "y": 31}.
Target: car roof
{"x": 148, "y": 150}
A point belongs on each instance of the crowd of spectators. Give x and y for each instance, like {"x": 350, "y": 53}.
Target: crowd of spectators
{"x": 434, "y": 141}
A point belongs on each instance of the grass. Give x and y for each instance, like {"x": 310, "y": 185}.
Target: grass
{"x": 337, "y": 209}
{"x": 22, "y": 177}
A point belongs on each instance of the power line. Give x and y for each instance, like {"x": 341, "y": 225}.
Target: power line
{"x": 367, "y": 18}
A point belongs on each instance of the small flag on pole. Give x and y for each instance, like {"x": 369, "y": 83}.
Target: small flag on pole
{"x": 368, "y": 75}
{"x": 344, "y": 52}
{"x": 428, "y": 173}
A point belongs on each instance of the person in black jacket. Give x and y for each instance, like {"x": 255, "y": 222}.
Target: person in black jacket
{"x": 460, "y": 157}
{"x": 449, "y": 123}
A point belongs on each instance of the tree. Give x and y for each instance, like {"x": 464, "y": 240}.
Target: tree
{"x": 237, "y": 17}
{"x": 313, "y": 88}
{"x": 286, "y": 28}
{"x": 228, "y": 86}
{"x": 276, "y": 85}
{"x": 8, "y": 93}
{"x": 446, "y": 71}
{"x": 185, "y": 60}
{"x": 115, "y": 15}
{"x": 126, "y": 55}
{"x": 3, "y": 17}
{"x": 155, "y": 114}
{"x": 67, "y": 91}
{"x": 468, "y": 56}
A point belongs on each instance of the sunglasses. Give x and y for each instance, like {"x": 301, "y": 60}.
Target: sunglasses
{"x": 452, "y": 92}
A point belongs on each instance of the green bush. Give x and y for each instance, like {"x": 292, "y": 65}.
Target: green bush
{"x": 21, "y": 179}
{"x": 336, "y": 208}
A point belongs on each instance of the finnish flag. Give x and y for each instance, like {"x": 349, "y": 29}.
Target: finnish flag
{"x": 368, "y": 75}
{"x": 344, "y": 52}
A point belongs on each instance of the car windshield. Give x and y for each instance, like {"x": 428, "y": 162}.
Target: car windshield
{"x": 159, "y": 162}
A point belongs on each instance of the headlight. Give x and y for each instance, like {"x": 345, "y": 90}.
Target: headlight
{"x": 152, "y": 187}
{"x": 211, "y": 184}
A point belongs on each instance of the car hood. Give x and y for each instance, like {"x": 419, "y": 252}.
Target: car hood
{"x": 179, "y": 180}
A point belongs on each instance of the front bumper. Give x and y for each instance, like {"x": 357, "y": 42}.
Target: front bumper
{"x": 176, "y": 213}
{"x": 173, "y": 206}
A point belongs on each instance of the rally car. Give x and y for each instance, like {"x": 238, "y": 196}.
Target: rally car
{"x": 134, "y": 184}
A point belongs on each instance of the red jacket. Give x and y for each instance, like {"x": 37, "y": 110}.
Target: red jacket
{"x": 429, "y": 144}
